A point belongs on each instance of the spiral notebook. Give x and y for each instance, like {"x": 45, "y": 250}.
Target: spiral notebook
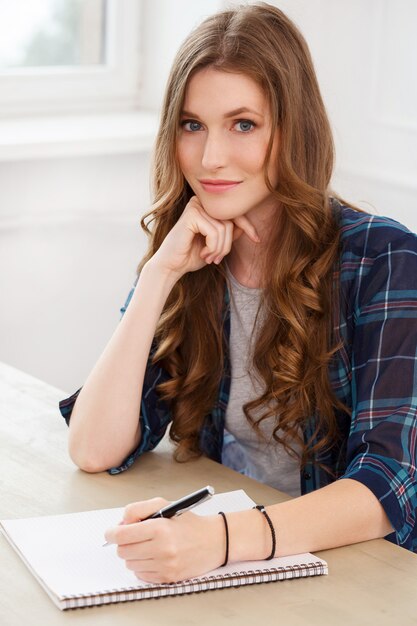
{"x": 65, "y": 554}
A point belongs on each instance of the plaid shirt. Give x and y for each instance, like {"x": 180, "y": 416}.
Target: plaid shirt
{"x": 374, "y": 374}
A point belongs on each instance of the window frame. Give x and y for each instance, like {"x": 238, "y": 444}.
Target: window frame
{"x": 108, "y": 87}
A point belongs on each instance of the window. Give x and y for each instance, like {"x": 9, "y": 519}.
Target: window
{"x": 68, "y": 55}
{"x": 52, "y": 33}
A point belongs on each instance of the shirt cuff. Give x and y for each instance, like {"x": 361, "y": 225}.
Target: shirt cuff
{"x": 394, "y": 488}
{"x": 66, "y": 406}
{"x": 147, "y": 442}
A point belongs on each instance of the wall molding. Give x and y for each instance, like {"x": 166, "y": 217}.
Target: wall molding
{"x": 19, "y": 222}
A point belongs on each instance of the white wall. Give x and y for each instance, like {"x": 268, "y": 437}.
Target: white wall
{"x": 364, "y": 52}
{"x": 69, "y": 245}
{"x": 69, "y": 234}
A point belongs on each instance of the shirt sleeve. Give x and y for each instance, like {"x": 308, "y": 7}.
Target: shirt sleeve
{"x": 382, "y": 445}
{"x": 155, "y": 415}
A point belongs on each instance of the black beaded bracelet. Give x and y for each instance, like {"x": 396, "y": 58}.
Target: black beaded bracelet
{"x": 226, "y": 527}
{"x": 261, "y": 508}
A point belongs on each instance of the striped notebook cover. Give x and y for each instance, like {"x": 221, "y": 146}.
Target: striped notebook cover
{"x": 65, "y": 555}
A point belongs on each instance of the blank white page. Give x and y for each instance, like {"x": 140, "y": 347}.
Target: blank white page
{"x": 66, "y": 551}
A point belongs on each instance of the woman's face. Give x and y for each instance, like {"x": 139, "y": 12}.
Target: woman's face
{"x": 223, "y": 139}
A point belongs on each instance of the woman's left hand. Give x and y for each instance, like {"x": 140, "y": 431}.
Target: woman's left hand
{"x": 168, "y": 550}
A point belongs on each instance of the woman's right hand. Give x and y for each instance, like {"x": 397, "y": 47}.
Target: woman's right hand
{"x": 197, "y": 240}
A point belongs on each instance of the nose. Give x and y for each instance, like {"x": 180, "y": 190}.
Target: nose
{"x": 214, "y": 152}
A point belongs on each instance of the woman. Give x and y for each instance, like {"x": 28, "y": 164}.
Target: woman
{"x": 250, "y": 254}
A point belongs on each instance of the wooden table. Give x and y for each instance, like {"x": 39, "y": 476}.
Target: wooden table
{"x": 370, "y": 583}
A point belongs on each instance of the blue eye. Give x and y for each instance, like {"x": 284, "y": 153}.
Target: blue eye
{"x": 191, "y": 126}
{"x": 244, "y": 126}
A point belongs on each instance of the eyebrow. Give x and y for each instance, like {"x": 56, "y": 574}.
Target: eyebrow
{"x": 227, "y": 115}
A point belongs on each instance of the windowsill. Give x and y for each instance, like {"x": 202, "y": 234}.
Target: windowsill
{"x": 77, "y": 135}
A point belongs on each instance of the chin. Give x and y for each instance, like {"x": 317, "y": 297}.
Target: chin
{"x": 221, "y": 210}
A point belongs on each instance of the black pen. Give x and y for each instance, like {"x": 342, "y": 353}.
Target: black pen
{"x": 181, "y": 506}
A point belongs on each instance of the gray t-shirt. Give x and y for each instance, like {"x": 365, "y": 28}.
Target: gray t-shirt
{"x": 243, "y": 450}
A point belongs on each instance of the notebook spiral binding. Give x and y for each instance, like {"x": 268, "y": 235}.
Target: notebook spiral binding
{"x": 204, "y": 583}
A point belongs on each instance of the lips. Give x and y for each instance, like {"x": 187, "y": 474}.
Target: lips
{"x": 219, "y": 186}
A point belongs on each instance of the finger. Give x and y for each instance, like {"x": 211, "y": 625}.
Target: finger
{"x": 140, "y": 566}
{"x": 247, "y": 227}
{"x": 129, "y": 533}
{"x": 220, "y": 225}
{"x": 153, "y": 571}
{"x": 237, "y": 232}
{"x": 137, "y": 551}
{"x": 128, "y": 530}
{"x": 157, "y": 577}
{"x": 222, "y": 239}
{"x": 148, "y": 576}
{"x": 141, "y": 510}
{"x": 227, "y": 242}
{"x": 218, "y": 253}
{"x": 201, "y": 225}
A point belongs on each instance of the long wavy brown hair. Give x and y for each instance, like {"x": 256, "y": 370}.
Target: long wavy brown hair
{"x": 294, "y": 345}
